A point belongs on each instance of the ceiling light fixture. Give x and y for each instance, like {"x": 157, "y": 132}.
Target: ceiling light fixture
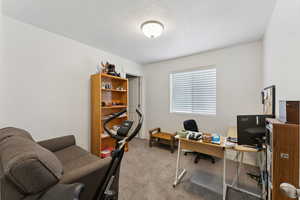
{"x": 152, "y": 29}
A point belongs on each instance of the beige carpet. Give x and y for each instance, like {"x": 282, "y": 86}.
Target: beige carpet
{"x": 148, "y": 174}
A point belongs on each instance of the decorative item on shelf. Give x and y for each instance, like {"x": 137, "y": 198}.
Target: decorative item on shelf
{"x": 106, "y": 152}
{"x": 117, "y": 103}
{"x": 110, "y": 69}
{"x": 103, "y": 103}
{"x": 104, "y": 67}
{"x": 99, "y": 68}
{"x": 120, "y": 88}
{"x": 103, "y": 85}
{"x": 106, "y": 85}
{"x": 123, "y": 73}
{"x": 108, "y": 103}
{"x": 115, "y": 127}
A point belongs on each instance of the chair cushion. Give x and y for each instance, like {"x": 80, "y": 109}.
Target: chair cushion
{"x": 82, "y": 167}
{"x": 70, "y": 154}
{"x": 78, "y": 163}
{"x": 29, "y": 166}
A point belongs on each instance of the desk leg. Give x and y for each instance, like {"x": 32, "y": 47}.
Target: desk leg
{"x": 239, "y": 158}
{"x": 240, "y": 166}
{"x": 236, "y": 178}
{"x": 179, "y": 175}
{"x": 224, "y": 176}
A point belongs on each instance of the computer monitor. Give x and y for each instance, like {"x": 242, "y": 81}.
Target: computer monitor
{"x": 251, "y": 129}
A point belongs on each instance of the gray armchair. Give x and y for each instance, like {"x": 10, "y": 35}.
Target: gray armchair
{"x": 51, "y": 169}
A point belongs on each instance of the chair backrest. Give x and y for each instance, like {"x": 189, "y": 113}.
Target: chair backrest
{"x": 190, "y": 125}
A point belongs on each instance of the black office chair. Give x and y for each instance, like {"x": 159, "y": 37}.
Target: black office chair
{"x": 191, "y": 125}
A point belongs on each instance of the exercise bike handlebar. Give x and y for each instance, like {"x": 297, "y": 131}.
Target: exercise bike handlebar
{"x": 132, "y": 135}
{"x": 114, "y": 116}
{"x": 138, "y": 127}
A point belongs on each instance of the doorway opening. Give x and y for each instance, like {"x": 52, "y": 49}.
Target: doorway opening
{"x": 134, "y": 97}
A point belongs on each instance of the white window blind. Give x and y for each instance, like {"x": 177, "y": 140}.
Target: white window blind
{"x": 194, "y": 91}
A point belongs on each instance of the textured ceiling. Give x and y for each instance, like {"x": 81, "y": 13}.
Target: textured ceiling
{"x": 191, "y": 26}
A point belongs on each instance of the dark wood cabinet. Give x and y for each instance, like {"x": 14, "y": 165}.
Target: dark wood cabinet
{"x": 292, "y": 110}
{"x": 289, "y": 111}
{"x": 283, "y": 159}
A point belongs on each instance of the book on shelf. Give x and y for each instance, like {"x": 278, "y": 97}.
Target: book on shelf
{"x": 109, "y": 116}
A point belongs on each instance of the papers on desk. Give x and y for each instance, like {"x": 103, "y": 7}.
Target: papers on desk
{"x": 232, "y": 139}
{"x": 229, "y": 143}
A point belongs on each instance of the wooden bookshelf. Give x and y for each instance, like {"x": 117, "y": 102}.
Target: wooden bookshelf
{"x": 113, "y": 90}
{"x": 115, "y": 98}
{"x": 113, "y": 107}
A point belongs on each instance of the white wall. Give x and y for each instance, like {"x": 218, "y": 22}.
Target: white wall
{"x": 48, "y": 81}
{"x": 282, "y": 50}
{"x": 239, "y": 82}
{"x": 2, "y": 76}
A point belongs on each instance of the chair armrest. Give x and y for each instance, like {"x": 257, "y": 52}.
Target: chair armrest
{"x": 59, "y": 143}
{"x": 154, "y": 130}
{"x": 63, "y": 191}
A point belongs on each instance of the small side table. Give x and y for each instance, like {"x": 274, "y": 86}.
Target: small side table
{"x": 156, "y": 135}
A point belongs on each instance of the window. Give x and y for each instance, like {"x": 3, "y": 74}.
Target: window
{"x": 194, "y": 92}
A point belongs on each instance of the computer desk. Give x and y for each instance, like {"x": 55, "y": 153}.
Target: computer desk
{"x": 216, "y": 150}
{"x": 239, "y": 158}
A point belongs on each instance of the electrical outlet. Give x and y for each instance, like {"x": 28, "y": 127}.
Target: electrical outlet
{"x": 284, "y": 155}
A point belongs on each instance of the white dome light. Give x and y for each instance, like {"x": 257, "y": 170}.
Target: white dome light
{"x": 152, "y": 29}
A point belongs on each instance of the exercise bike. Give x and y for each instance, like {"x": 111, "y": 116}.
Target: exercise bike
{"x": 105, "y": 192}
